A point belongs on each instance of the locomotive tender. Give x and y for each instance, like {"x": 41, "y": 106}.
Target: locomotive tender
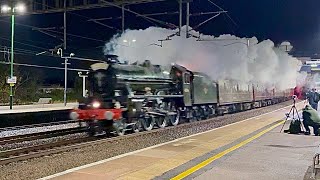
{"x": 125, "y": 97}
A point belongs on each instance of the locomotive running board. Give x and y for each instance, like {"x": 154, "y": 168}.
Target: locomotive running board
{"x": 156, "y": 96}
{"x": 160, "y": 114}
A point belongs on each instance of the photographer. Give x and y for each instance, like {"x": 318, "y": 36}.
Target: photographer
{"x": 313, "y": 98}
{"x": 311, "y": 118}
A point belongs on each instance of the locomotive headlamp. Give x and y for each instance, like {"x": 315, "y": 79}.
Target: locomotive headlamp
{"x": 96, "y": 104}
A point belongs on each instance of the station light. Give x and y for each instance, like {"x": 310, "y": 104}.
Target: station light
{"x": 5, "y": 9}
{"x": 125, "y": 41}
{"x": 129, "y": 42}
{"x": 19, "y": 8}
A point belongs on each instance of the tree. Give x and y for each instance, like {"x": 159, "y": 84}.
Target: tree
{"x": 76, "y": 93}
{"x": 4, "y": 87}
{"x": 24, "y": 91}
{"x": 28, "y": 83}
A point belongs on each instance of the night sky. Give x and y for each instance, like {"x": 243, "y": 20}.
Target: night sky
{"x": 294, "y": 20}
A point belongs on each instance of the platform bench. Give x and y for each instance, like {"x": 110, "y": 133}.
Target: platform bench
{"x": 44, "y": 101}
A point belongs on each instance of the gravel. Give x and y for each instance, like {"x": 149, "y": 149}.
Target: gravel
{"x": 42, "y": 141}
{"x": 44, "y": 166}
{"x": 37, "y": 129}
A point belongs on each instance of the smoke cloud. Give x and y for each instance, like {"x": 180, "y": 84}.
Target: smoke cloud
{"x": 223, "y": 57}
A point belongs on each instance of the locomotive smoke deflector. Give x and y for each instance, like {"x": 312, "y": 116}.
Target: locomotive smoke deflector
{"x": 99, "y": 66}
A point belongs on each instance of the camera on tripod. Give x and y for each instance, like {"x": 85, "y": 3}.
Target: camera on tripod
{"x": 295, "y": 114}
{"x": 294, "y": 97}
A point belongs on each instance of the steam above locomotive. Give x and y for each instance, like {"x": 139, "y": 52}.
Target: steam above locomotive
{"x": 134, "y": 97}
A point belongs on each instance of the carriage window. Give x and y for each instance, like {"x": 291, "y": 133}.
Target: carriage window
{"x": 187, "y": 78}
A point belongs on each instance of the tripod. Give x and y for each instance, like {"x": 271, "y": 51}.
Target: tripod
{"x": 294, "y": 112}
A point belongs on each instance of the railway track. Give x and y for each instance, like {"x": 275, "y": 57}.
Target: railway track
{"x": 29, "y": 152}
{"x": 23, "y": 153}
{"x": 37, "y": 125}
{"x": 39, "y": 135}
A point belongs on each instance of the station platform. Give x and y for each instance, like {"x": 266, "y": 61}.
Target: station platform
{"x": 250, "y": 149}
{"x": 36, "y": 108}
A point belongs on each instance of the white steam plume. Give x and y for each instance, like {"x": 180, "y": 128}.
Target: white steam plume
{"x": 226, "y": 57}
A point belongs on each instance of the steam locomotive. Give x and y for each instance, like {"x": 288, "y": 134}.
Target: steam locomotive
{"x": 135, "y": 97}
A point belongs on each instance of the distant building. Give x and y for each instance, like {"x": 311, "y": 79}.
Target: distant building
{"x": 304, "y": 59}
{"x": 311, "y": 66}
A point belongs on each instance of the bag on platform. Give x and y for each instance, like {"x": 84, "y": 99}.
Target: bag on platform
{"x": 294, "y": 127}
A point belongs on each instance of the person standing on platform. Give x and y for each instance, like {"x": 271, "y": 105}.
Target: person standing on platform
{"x": 313, "y": 98}
{"x": 310, "y": 118}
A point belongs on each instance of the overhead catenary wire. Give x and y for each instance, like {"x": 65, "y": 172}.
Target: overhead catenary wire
{"x": 86, "y": 17}
{"x": 23, "y": 43}
{"x": 202, "y": 23}
{"x": 115, "y": 5}
{"x": 47, "y": 67}
{"x": 20, "y": 51}
{"x": 32, "y": 53}
{"x": 210, "y": 1}
{"x": 170, "y": 25}
{"x": 29, "y": 26}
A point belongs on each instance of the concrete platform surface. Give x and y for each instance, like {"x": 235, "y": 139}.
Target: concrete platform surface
{"x": 36, "y": 108}
{"x": 273, "y": 156}
{"x": 250, "y": 149}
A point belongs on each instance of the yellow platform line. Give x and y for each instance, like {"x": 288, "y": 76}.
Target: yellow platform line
{"x": 221, "y": 154}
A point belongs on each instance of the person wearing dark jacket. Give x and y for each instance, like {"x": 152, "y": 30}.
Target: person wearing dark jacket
{"x": 313, "y": 98}
{"x": 311, "y": 118}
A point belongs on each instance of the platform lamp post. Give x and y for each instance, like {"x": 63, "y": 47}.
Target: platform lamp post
{"x": 12, "y": 10}
{"x": 83, "y": 75}
{"x": 59, "y": 52}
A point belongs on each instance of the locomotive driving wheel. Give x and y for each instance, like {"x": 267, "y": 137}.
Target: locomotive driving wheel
{"x": 148, "y": 123}
{"x": 120, "y": 128}
{"x": 202, "y": 113}
{"x": 90, "y": 128}
{"x": 174, "y": 119}
{"x": 194, "y": 115}
{"x": 137, "y": 126}
{"x": 161, "y": 122}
